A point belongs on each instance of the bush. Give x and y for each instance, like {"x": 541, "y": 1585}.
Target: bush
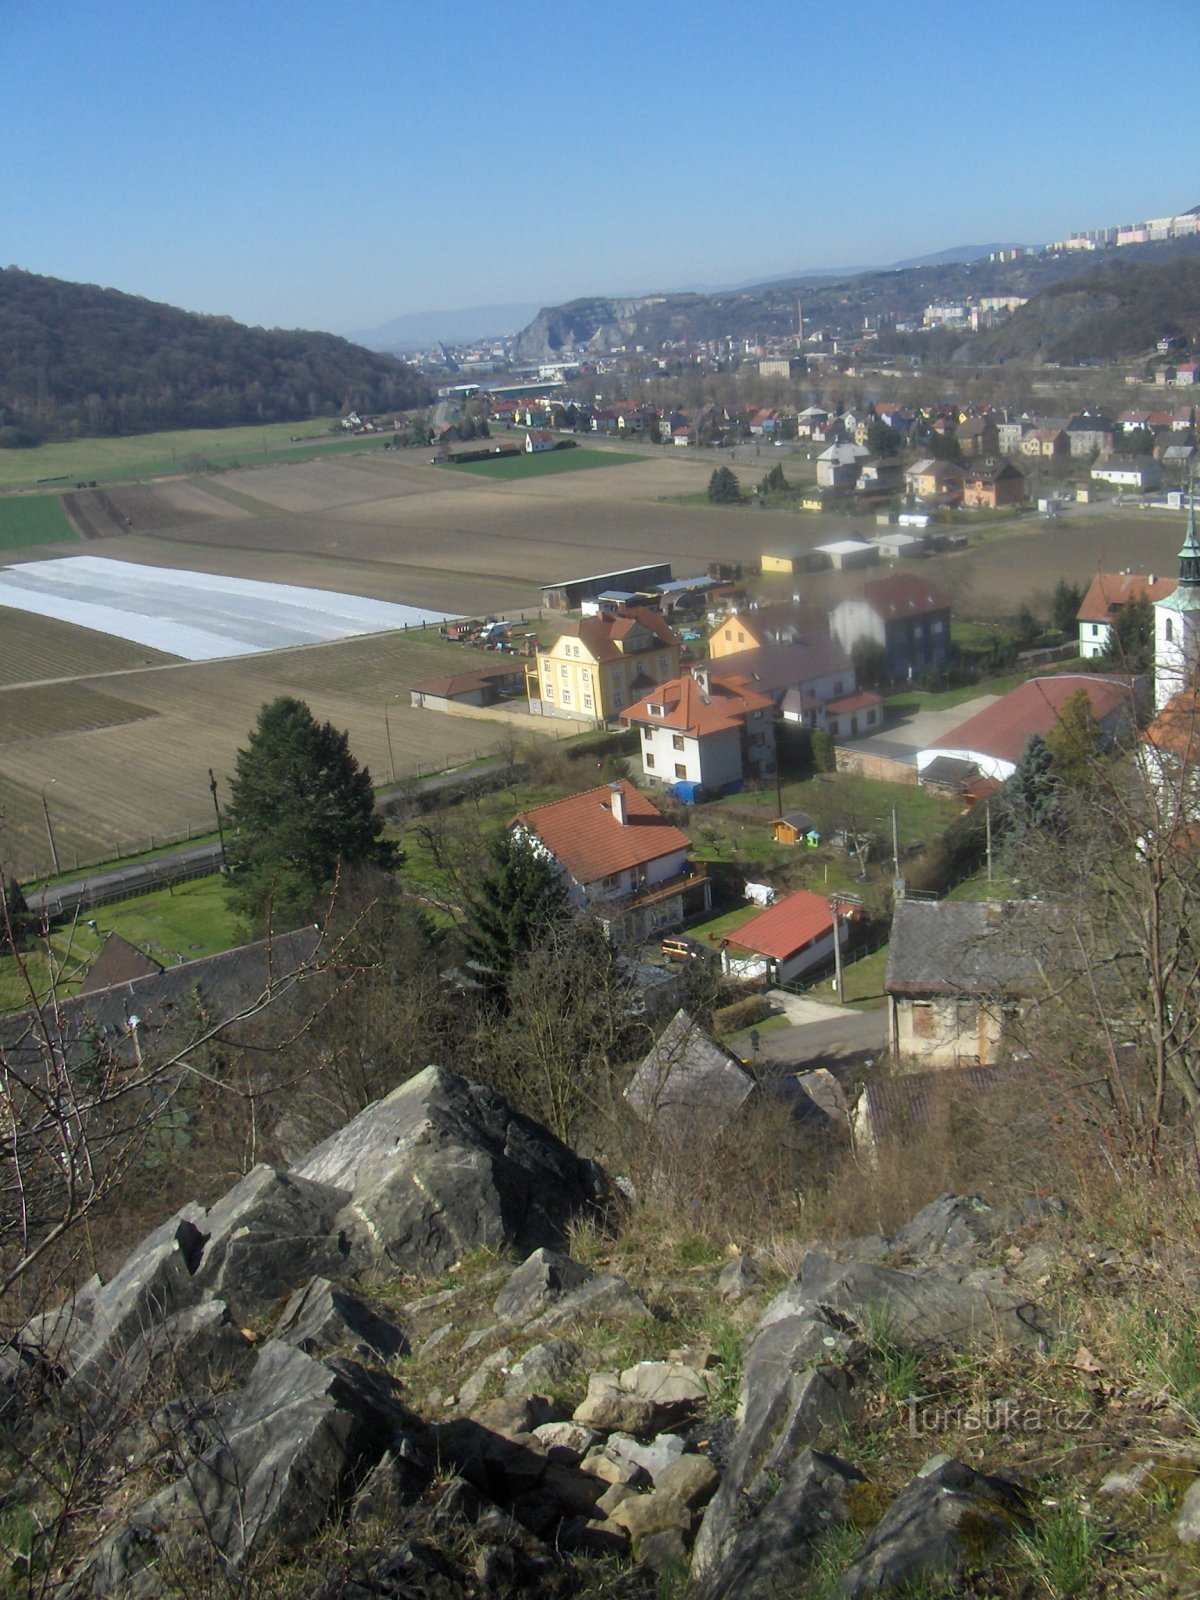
{"x": 742, "y": 1014}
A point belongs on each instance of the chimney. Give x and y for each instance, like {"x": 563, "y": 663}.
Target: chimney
{"x": 700, "y": 674}
{"x": 619, "y": 812}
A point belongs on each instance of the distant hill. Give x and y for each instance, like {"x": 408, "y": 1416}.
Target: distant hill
{"x": 80, "y": 360}
{"x": 1113, "y": 312}
{"x": 417, "y": 329}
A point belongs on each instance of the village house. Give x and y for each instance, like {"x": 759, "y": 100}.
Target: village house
{"x": 993, "y": 483}
{"x": 1107, "y": 594}
{"x": 906, "y": 614}
{"x": 620, "y": 858}
{"x": 1129, "y": 472}
{"x": 979, "y": 437}
{"x": 958, "y": 975}
{"x": 788, "y": 939}
{"x": 934, "y": 482}
{"x": 838, "y": 467}
{"x": 601, "y": 664}
{"x": 1046, "y": 444}
{"x": 537, "y": 440}
{"x": 705, "y": 734}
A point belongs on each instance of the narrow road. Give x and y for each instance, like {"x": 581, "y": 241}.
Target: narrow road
{"x": 201, "y": 860}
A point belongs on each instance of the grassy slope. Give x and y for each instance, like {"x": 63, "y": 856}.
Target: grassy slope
{"x": 544, "y": 464}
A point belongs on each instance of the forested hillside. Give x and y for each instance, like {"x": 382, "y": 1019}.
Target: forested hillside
{"x": 80, "y": 360}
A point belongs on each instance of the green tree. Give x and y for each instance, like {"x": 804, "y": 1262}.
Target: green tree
{"x": 883, "y": 439}
{"x": 723, "y": 487}
{"x": 518, "y": 899}
{"x": 18, "y": 922}
{"x": 1130, "y": 646}
{"x": 774, "y": 482}
{"x": 1027, "y": 625}
{"x": 1074, "y": 742}
{"x": 1064, "y": 606}
{"x": 1034, "y": 792}
{"x": 870, "y": 664}
{"x": 301, "y": 808}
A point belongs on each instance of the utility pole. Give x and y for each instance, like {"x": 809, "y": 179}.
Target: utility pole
{"x": 837, "y": 948}
{"x": 987, "y": 817}
{"x": 49, "y": 829}
{"x": 212, "y": 783}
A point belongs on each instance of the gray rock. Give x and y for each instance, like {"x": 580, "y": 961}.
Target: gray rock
{"x": 672, "y": 1389}
{"x": 652, "y": 1457}
{"x": 691, "y": 1478}
{"x": 472, "y": 1389}
{"x": 270, "y": 1233}
{"x": 607, "y": 1295}
{"x": 919, "y": 1534}
{"x": 737, "y": 1278}
{"x": 567, "y": 1442}
{"x": 293, "y": 1446}
{"x": 545, "y": 1368}
{"x": 200, "y": 1348}
{"x": 323, "y": 1317}
{"x": 442, "y": 1166}
{"x": 435, "y": 1341}
{"x": 764, "y": 1548}
{"x": 544, "y": 1276}
{"x": 665, "y": 1551}
{"x": 1187, "y": 1522}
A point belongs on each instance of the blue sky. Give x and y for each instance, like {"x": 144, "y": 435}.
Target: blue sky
{"x": 314, "y": 165}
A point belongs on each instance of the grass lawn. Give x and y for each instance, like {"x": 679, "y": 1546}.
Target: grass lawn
{"x": 907, "y": 702}
{"x": 544, "y": 463}
{"x": 151, "y": 455}
{"x": 33, "y": 519}
{"x": 191, "y": 920}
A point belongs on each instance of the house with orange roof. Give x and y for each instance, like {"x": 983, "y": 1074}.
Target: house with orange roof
{"x": 621, "y": 859}
{"x": 1107, "y": 594}
{"x": 705, "y": 732}
{"x": 601, "y": 664}
{"x": 792, "y": 937}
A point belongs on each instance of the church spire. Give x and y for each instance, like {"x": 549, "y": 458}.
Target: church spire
{"x": 1189, "y": 555}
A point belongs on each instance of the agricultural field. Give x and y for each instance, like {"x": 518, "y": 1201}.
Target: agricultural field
{"x": 33, "y": 519}
{"x": 542, "y": 463}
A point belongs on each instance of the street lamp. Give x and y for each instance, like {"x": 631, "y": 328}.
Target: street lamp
{"x": 49, "y": 829}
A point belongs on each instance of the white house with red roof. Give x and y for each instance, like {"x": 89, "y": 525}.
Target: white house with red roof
{"x": 993, "y": 739}
{"x": 620, "y": 858}
{"x": 706, "y": 730}
{"x": 1107, "y": 594}
{"x": 792, "y": 937}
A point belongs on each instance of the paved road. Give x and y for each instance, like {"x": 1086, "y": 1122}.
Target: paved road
{"x": 196, "y": 860}
{"x": 824, "y": 1035}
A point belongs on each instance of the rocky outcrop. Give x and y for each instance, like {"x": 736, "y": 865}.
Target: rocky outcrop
{"x": 442, "y": 1167}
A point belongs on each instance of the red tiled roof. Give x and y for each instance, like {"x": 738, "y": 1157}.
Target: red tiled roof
{"x": 589, "y": 843}
{"x": 786, "y": 927}
{"x": 1001, "y": 730}
{"x": 855, "y": 702}
{"x": 1176, "y": 728}
{"x": 1109, "y": 591}
{"x": 600, "y": 633}
{"x": 902, "y": 595}
{"x": 689, "y": 709}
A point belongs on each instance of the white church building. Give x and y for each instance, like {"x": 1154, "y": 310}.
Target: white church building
{"x": 1177, "y": 623}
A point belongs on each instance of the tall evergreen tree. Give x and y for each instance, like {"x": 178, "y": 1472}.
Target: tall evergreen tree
{"x": 301, "y": 807}
{"x": 519, "y": 898}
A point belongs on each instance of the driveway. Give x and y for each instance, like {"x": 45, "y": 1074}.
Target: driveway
{"x": 901, "y": 740}
{"x": 821, "y": 1035}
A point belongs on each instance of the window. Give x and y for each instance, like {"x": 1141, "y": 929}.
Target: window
{"x": 587, "y": 702}
{"x": 838, "y": 686}
{"x": 618, "y": 700}
{"x": 563, "y": 670}
{"x": 832, "y": 727}
{"x": 741, "y": 638}
{"x": 729, "y": 634}
{"x": 937, "y": 626}
{"x": 663, "y": 663}
{"x": 922, "y": 1019}
{"x": 648, "y": 759}
{"x": 677, "y": 741}
{"x": 680, "y": 770}
{"x": 647, "y": 734}
{"x": 566, "y": 697}
{"x": 1170, "y": 633}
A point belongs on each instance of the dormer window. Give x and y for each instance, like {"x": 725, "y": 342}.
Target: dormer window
{"x": 657, "y": 710}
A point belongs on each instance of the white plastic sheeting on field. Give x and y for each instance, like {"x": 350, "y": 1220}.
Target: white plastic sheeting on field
{"x": 197, "y": 615}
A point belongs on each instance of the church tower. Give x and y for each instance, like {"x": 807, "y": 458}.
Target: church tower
{"x": 1177, "y": 622}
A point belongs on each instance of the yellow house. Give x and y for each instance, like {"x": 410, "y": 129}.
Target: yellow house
{"x": 788, "y": 622}
{"x": 601, "y": 664}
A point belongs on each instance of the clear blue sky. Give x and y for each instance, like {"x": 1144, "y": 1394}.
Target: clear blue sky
{"x": 310, "y": 164}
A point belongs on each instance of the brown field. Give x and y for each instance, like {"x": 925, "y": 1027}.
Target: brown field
{"x": 131, "y": 735}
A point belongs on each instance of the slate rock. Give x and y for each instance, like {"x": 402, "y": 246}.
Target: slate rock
{"x": 737, "y": 1278}
{"x": 324, "y": 1316}
{"x": 671, "y": 1388}
{"x": 266, "y": 1236}
{"x": 642, "y": 1514}
{"x": 922, "y": 1532}
{"x": 665, "y": 1551}
{"x": 764, "y": 1546}
{"x": 293, "y": 1445}
{"x": 544, "y": 1367}
{"x": 567, "y": 1442}
{"x": 199, "y": 1348}
{"x": 442, "y": 1166}
{"x": 607, "y": 1295}
{"x": 542, "y": 1277}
